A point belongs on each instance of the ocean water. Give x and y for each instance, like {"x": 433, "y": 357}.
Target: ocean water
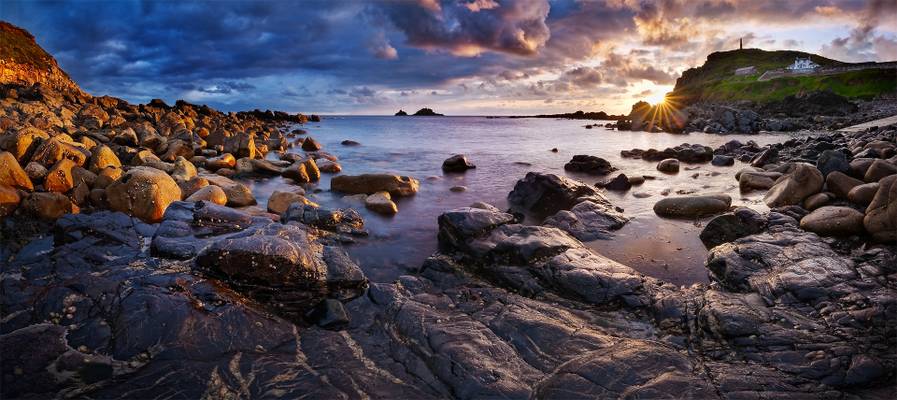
{"x": 504, "y": 150}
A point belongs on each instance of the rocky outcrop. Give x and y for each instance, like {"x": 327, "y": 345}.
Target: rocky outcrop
{"x": 589, "y": 164}
{"x": 373, "y": 183}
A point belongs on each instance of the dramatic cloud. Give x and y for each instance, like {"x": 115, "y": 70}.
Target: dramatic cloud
{"x": 477, "y": 56}
{"x": 470, "y": 28}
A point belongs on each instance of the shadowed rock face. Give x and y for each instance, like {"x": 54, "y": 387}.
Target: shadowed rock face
{"x": 109, "y": 306}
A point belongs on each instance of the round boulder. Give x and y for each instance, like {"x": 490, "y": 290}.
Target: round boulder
{"x": 143, "y": 192}
{"x": 692, "y": 206}
{"x": 669, "y": 166}
{"x": 457, "y": 163}
{"x": 833, "y": 221}
{"x": 799, "y": 181}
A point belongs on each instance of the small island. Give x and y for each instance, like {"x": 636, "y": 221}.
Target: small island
{"x": 423, "y": 112}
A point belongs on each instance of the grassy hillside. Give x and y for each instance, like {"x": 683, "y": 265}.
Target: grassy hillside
{"x": 716, "y": 81}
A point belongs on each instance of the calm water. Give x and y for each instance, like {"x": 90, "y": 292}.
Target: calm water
{"x": 416, "y": 146}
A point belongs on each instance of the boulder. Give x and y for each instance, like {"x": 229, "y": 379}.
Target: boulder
{"x": 143, "y": 192}
{"x": 106, "y": 176}
{"x": 878, "y": 170}
{"x": 589, "y": 164}
{"x": 36, "y": 172}
{"x": 799, "y": 181}
{"x": 373, "y": 183}
{"x": 25, "y": 141}
{"x": 840, "y": 183}
{"x": 183, "y": 170}
{"x": 238, "y": 195}
{"x": 750, "y": 180}
{"x": 546, "y": 194}
{"x": 274, "y": 255}
{"x": 457, "y": 163}
{"x": 350, "y": 143}
{"x": 12, "y": 174}
{"x": 101, "y": 157}
{"x": 303, "y": 172}
{"x": 225, "y": 160}
{"x": 55, "y": 149}
{"x": 240, "y": 145}
{"x": 59, "y": 179}
{"x": 833, "y": 221}
{"x": 209, "y": 193}
{"x": 588, "y": 220}
{"x": 279, "y": 201}
{"x": 9, "y": 200}
{"x": 49, "y": 205}
{"x": 863, "y": 194}
{"x": 859, "y": 166}
{"x": 720, "y": 160}
{"x": 329, "y": 166}
{"x": 768, "y": 156}
{"x": 669, "y": 166}
{"x": 265, "y": 167}
{"x": 310, "y": 144}
{"x": 620, "y": 183}
{"x": 692, "y": 206}
{"x": 832, "y": 160}
{"x": 818, "y": 200}
{"x": 381, "y": 203}
{"x": 728, "y": 227}
{"x": 881, "y": 215}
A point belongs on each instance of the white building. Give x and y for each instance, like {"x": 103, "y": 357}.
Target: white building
{"x": 802, "y": 65}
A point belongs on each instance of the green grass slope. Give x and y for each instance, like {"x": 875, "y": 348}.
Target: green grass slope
{"x": 716, "y": 79}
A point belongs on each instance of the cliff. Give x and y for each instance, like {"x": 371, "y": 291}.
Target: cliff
{"x": 24, "y": 62}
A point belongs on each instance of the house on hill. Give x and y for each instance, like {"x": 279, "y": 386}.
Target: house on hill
{"x": 802, "y": 65}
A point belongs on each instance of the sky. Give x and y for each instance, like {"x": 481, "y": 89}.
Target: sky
{"x": 459, "y": 57}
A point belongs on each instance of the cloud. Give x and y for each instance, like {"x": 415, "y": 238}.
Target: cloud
{"x": 380, "y": 47}
{"x": 469, "y": 29}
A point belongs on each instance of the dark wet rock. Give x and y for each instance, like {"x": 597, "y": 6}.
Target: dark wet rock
{"x": 457, "y": 163}
{"x": 620, "y": 183}
{"x": 642, "y": 369}
{"x": 272, "y": 254}
{"x": 818, "y": 200}
{"x": 692, "y": 206}
{"x": 878, "y": 170}
{"x": 728, "y": 227}
{"x": 833, "y": 221}
{"x": 757, "y": 180}
{"x": 350, "y": 143}
{"x": 329, "y": 314}
{"x": 588, "y": 220}
{"x": 767, "y": 156}
{"x": 458, "y": 226}
{"x": 723, "y": 161}
{"x": 188, "y": 227}
{"x": 863, "y": 194}
{"x": 344, "y": 220}
{"x": 546, "y": 194}
{"x": 881, "y": 215}
{"x": 840, "y": 184}
{"x": 669, "y": 166}
{"x": 832, "y": 160}
{"x": 799, "y": 180}
{"x": 589, "y": 164}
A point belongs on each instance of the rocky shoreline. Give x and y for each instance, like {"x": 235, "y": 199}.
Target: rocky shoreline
{"x": 187, "y": 296}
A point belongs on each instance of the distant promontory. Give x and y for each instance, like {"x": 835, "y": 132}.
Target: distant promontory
{"x": 423, "y": 112}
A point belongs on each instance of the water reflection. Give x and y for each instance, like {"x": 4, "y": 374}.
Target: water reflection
{"x": 504, "y": 150}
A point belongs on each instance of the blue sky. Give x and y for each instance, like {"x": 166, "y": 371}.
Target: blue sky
{"x": 468, "y": 57}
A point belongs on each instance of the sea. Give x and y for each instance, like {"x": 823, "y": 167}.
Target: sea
{"x": 504, "y": 150}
